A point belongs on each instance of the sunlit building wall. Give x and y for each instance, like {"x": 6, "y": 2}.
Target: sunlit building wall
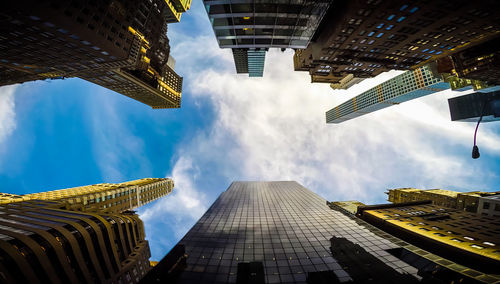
{"x": 85, "y": 234}
{"x": 463, "y": 237}
{"x": 407, "y": 86}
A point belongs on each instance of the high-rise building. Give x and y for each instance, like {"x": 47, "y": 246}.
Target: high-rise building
{"x": 473, "y": 106}
{"x": 466, "y": 238}
{"x": 250, "y": 28}
{"x": 365, "y": 38}
{"x": 103, "y": 197}
{"x": 407, "y": 86}
{"x": 118, "y": 44}
{"x": 85, "y": 234}
{"x": 466, "y": 201}
{"x": 280, "y": 232}
{"x": 489, "y": 205}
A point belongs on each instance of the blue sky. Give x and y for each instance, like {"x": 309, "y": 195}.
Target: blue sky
{"x": 65, "y": 133}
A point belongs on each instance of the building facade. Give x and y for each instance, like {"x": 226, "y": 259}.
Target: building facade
{"x": 85, "y": 234}
{"x": 465, "y": 201}
{"x": 364, "y": 38}
{"x": 407, "y": 86}
{"x": 104, "y": 197}
{"x": 119, "y": 44}
{"x": 280, "y": 232}
{"x": 466, "y": 238}
{"x": 473, "y": 106}
{"x": 250, "y": 28}
{"x": 489, "y": 205}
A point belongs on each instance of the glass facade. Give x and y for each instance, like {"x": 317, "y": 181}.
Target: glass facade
{"x": 284, "y": 228}
{"x": 259, "y": 25}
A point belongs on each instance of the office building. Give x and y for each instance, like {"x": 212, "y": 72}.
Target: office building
{"x": 465, "y": 201}
{"x": 365, "y": 38}
{"x": 473, "y": 106}
{"x": 480, "y": 62}
{"x": 85, "y": 234}
{"x": 407, "y": 86}
{"x": 489, "y": 205}
{"x": 121, "y": 45}
{"x": 104, "y": 197}
{"x": 280, "y": 232}
{"x": 465, "y": 238}
{"x": 250, "y": 28}
{"x": 346, "y": 82}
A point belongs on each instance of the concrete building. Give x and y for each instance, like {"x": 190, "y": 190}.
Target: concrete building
{"x": 364, "y": 38}
{"x": 462, "y": 237}
{"x": 465, "y": 201}
{"x": 489, "y": 205}
{"x": 85, "y": 234}
{"x": 121, "y": 45}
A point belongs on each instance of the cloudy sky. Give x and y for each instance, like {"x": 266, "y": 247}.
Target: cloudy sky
{"x": 59, "y": 134}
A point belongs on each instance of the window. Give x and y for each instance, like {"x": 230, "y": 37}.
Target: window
{"x": 477, "y": 246}
{"x": 486, "y": 205}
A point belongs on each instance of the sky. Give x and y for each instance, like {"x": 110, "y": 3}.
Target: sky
{"x": 65, "y": 133}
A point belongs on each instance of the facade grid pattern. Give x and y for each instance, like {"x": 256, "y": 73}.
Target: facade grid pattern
{"x": 281, "y": 224}
{"x": 402, "y": 88}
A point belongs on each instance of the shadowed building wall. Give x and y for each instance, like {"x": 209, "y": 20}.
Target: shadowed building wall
{"x": 77, "y": 235}
{"x": 119, "y": 44}
{"x": 250, "y": 28}
{"x": 285, "y": 231}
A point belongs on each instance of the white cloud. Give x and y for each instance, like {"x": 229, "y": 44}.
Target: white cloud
{"x": 7, "y": 112}
{"x": 275, "y": 127}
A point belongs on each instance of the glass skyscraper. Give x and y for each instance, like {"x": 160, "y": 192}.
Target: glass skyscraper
{"x": 281, "y": 232}
{"x": 249, "y": 28}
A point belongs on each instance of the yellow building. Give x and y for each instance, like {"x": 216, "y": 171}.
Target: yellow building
{"x": 84, "y": 234}
{"x": 467, "y": 201}
{"x": 459, "y": 236}
{"x": 106, "y": 197}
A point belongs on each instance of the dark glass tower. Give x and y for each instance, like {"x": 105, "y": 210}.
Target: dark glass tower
{"x": 251, "y": 27}
{"x": 280, "y": 232}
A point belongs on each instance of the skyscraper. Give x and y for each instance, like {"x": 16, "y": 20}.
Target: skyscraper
{"x": 407, "y": 86}
{"x": 466, "y": 238}
{"x": 85, "y": 234}
{"x": 118, "y": 44}
{"x": 250, "y": 28}
{"x": 280, "y": 232}
{"x": 104, "y": 197}
{"x": 465, "y": 201}
{"x": 362, "y": 39}
{"x": 473, "y": 106}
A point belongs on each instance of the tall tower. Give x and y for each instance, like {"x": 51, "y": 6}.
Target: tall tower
{"x": 363, "y": 38}
{"x": 118, "y": 44}
{"x": 402, "y": 88}
{"x": 84, "y": 234}
{"x": 250, "y": 28}
{"x": 280, "y": 232}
